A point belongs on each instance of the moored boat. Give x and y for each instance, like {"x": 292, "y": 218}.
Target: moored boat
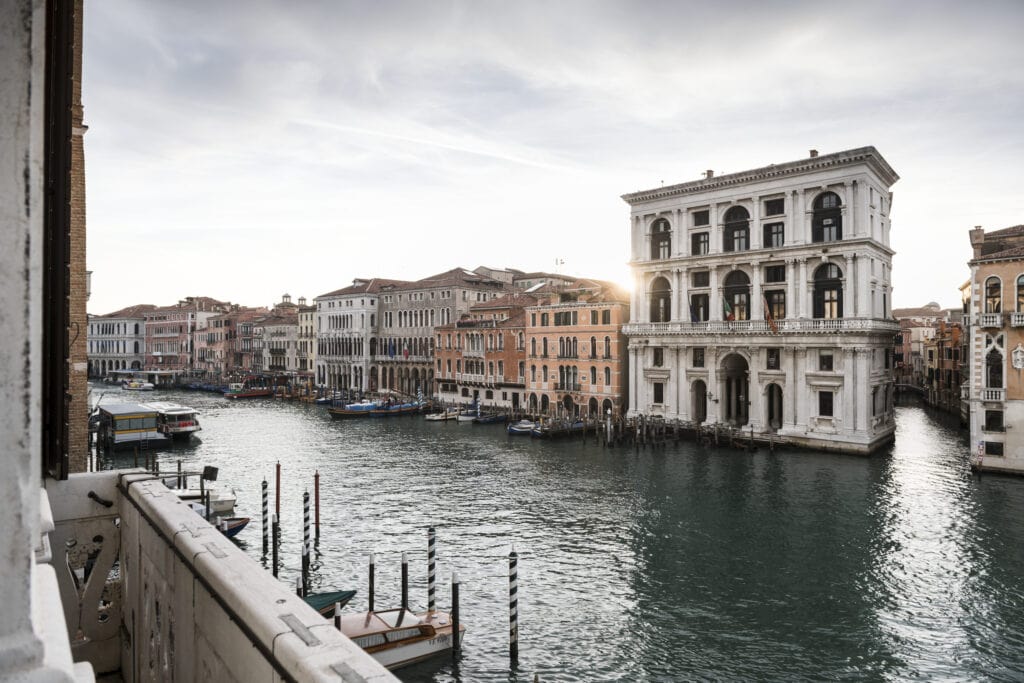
{"x": 136, "y": 385}
{"x": 521, "y": 428}
{"x": 238, "y": 390}
{"x": 443, "y": 415}
{"x": 175, "y": 420}
{"x": 393, "y": 409}
{"x": 361, "y": 409}
{"x": 324, "y": 603}
{"x": 128, "y": 425}
{"x": 220, "y": 501}
{"x": 557, "y": 429}
{"x": 398, "y": 637}
{"x": 490, "y": 418}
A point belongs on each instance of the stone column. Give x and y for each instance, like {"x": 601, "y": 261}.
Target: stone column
{"x": 789, "y": 391}
{"x": 682, "y": 295}
{"x": 802, "y": 391}
{"x": 638, "y": 394}
{"x": 756, "y": 307}
{"x": 679, "y": 246}
{"x": 801, "y": 233}
{"x": 862, "y": 372}
{"x": 850, "y": 397}
{"x": 850, "y": 287}
{"x": 755, "y": 411}
{"x": 863, "y": 264}
{"x": 850, "y": 226}
{"x": 715, "y": 236}
{"x": 792, "y": 310}
{"x": 715, "y": 299}
{"x": 711, "y": 362}
{"x": 755, "y": 224}
{"x": 803, "y": 289}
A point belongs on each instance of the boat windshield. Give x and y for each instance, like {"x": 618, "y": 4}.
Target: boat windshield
{"x": 390, "y": 617}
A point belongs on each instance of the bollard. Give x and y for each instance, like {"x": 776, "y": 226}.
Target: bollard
{"x": 180, "y": 485}
{"x": 306, "y": 545}
{"x": 337, "y": 615}
{"x": 275, "y": 528}
{"x": 298, "y": 586}
{"x": 513, "y": 606}
{"x": 316, "y": 493}
{"x": 370, "y": 592}
{"x": 266, "y": 518}
{"x": 456, "y": 646}
{"x": 405, "y": 581}
{"x": 431, "y": 557}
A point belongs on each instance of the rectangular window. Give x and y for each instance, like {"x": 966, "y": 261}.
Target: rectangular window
{"x": 993, "y": 448}
{"x": 994, "y": 421}
{"x": 776, "y": 299}
{"x": 699, "y": 305}
{"x": 701, "y": 279}
{"x": 659, "y": 357}
{"x": 543, "y": 319}
{"x": 533, "y": 320}
{"x": 775, "y": 274}
{"x": 774, "y": 359}
{"x": 736, "y": 239}
{"x": 774, "y": 207}
{"x": 593, "y": 317}
{"x": 698, "y": 357}
{"x": 606, "y": 317}
{"x": 774, "y": 235}
{"x": 825, "y": 363}
{"x": 701, "y": 217}
{"x": 659, "y": 392}
{"x": 699, "y": 243}
{"x": 825, "y": 403}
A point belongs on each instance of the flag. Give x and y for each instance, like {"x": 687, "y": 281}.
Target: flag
{"x": 391, "y": 349}
{"x": 693, "y": 314}
{"x": 728, "y": 310}
{"x": 405, "y": 351}
{"x": 768, "y": 316}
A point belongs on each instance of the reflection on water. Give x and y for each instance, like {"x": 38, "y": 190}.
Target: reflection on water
{"x": 651, "y": 565}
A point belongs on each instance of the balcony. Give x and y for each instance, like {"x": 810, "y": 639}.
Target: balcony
{"x": 994, "y": 320}
{"x": 988, "y": 394}
{"x": 803, "y": 326}
{"x": 197, "y": 602}
{"x": 1017, "y": 320}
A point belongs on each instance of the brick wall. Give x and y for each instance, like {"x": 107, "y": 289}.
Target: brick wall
{"x": 78, "y": 409}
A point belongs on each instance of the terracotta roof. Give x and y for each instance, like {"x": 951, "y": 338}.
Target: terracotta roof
{"x": 1006, "y": 232}
{"x": 362, "y": 286}
{"x": 135, "y": 311}
{"x": 449, "y": 278}
{"x": 510, "y": 300}
{"x": 1012, "y": 253}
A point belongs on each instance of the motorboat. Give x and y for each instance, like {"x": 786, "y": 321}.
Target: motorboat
{"x": 238, "y": 390}
{"x": 137, "y": 385}
{"x": 175, "y": 420}
{"x": 399, "y": 637}
{"x": 220, "y": 501}
{"x": 128, "y": 425}
{"x": 521, "y": 428}
{"x": 443, "y": 415}
{"x": 360, "y": 409}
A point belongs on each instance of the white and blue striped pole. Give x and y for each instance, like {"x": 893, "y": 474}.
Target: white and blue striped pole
{"x": 305, "y": 543}
{"x": 431, "y": 566}
{"x": 266, "y": 518}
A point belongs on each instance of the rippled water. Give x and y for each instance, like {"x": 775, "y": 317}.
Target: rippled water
{"x": 652, "y": 565}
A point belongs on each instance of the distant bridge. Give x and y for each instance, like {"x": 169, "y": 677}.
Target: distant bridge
{"x": 913, "y": 388}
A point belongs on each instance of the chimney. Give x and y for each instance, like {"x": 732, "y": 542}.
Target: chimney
{"x": 977, "y": 240}
{"x": 709, "y": 173}
{"x": 814, "y": 153}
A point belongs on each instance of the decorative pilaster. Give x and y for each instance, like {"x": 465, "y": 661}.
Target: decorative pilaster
{"x": 715, "y": 299}
{"x": 850, "y": 391}
{"x": 755, "y": 224}
{"x": 756, "y": 305}
{"x": 803, "y": 288}
{"x": 715, "y": 238}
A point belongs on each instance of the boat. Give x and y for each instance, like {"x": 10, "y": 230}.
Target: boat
{"x": 443, "y": 415}
{"x": 392, "y": 409}
{"x": 229, "y": 526}
{"x": 175, "y": 420}
{"x": 398, "y": 637}
{"x": 238, "y": 390}
{"x": 361, "y": 409}
{"x": 490, "y": 418}
{"x": 128, "y": 425}
{"x": 557, "y": 429}
{"x": 137, "y": 385}
{"x": 521, "y": 428}
{"x": 324, "y": 602}
{"x": 220, "y": 501}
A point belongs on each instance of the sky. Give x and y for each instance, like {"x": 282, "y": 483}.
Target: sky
{"x": 247, "y": 150}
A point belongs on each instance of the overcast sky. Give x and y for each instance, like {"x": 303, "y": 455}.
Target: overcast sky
{"x": 244, "y": 150}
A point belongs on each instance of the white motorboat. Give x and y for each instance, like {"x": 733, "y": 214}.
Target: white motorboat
{"x": 175, "y": 420}
{"x": 398, "y": 637}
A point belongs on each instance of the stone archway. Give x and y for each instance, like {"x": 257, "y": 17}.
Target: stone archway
{"x": 699, "y": 401}
{"x": 545, "y": 403}
{"x": 592, "y": 408}
{"x": 607, "y": 408}
{"x": 570, "y": 407}
{"x": 734, "y": 390}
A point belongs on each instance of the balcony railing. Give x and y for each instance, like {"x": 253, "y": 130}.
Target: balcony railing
{"x": 988, "y": 394}
{"x": 990, "y": 320}
{"x": 816, "y": 325}
{"x": 184, "y": 600}
{"x": 1017, "y": 319}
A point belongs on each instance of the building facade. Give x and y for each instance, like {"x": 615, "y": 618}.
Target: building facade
{"x": 576, "y": 351}
{"x": 346, "y": 336}
{"x": 762, "y": 301}
{"x": 117, "y": 341}
{"x": 996, "y": 348}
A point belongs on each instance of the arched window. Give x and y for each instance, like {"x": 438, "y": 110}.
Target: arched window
{"x": 607, "y": 347}
{"x": 593, "y": 375}
{"x": 533, "y": 373}
{"x": 1020, "y": 294}
{"x": 828, "y": 291}
{"x": 607, "y": 376}
{"x": 827, "y": 222}
{"x": 593, "y": 347}
{"x": 561, "y": 347}
{"x": 736, "y": 236}
{"x": 661, "y": 301}
{"x": 993, "y": 295}
{"x": 994, "y": 370}
{"x": 736, "y": 296}
{"x": 533, "y": 346}
{"x": 544, "y": 373}
{"x": 661, "y": 239}
{"x": 544, "y": 347}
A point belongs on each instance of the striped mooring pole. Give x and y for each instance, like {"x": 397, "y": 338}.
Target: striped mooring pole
{"x": 405, "y": 581}
{"x": 513, "y": 605}
{"x": 266, "y": 517}
{"x": 306, "y": 544}
{"x": 431, "y": 575}
{"x": 370, "y": 590}
{"x": 456, "y": 645}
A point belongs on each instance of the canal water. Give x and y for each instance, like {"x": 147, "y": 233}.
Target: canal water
{"x": 681, "y": 563}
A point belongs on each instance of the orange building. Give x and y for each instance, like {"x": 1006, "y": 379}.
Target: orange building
{"x": 575, "y": 350}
